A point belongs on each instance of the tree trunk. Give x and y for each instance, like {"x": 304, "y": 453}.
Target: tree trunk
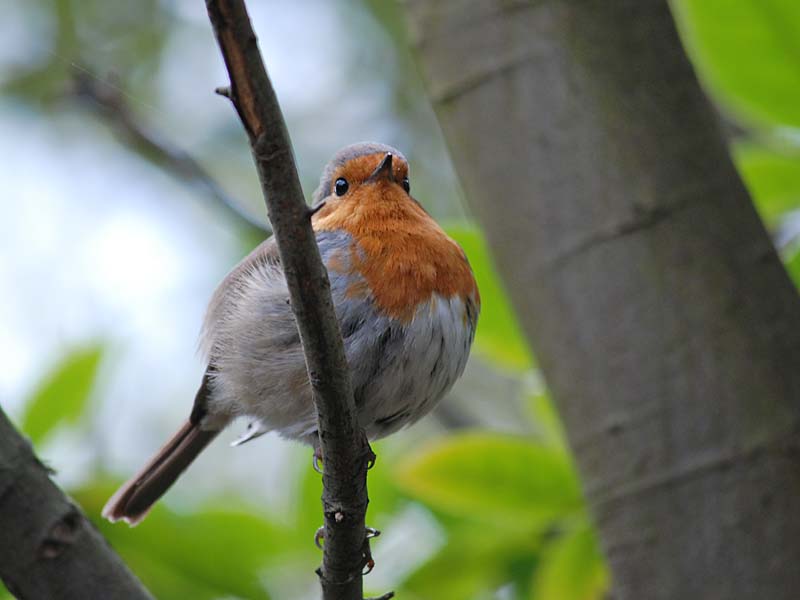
{"x": 665, "y": 325}
{"x": 48, "y": 549}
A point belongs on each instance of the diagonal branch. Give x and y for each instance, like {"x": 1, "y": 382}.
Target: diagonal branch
{"x": 345, "y": 449}
{"x": 107, "y": 101}
{"x": 48, "y": 548}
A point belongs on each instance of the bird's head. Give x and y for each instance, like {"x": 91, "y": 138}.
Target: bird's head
{"x": 361, "y": 175}
{"x": 402, "y": 258}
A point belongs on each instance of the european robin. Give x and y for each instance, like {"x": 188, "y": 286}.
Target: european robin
{"x": 406, "y": 301}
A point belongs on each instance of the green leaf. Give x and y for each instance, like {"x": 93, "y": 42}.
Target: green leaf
{"x": 498, "y": 337}
{"x": 546, "y": 422}
{"x": 4, "y": 593}
{"x": 571, "y": 568}
{"x": 793, "y": 267}
{"x": 63, "y": 393}
{"x": 748, "y": 53}
{"x": 162, "y": 579}
{"x": 495, "y": 478}
{"x": 472, "y": 562}
{"x": 214, "y": 549}
{"x": 772, "y": 176}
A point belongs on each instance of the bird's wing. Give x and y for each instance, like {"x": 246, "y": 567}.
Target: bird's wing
{"x": 262, "y": 268}
{"x": 250, "y": 336}
{"x": 263, "y": 258}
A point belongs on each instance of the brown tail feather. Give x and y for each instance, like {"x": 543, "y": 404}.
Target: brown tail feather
{"x": 133, "y": 500}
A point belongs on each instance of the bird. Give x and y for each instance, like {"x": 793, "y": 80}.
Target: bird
{"x": 405, "y": 297}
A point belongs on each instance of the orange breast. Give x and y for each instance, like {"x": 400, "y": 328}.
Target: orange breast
{"x": 403, "y": 255}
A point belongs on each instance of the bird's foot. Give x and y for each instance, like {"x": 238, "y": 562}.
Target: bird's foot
{"x": 370, "y": 533}
{"x": 369, "y": 562}
{"x": 317, "y": 460}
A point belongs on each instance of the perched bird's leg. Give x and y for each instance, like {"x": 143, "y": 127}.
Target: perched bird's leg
{"x": 369, "y": 562}
{"x": 369, "y": 457}
{"x": 316, "y": 459}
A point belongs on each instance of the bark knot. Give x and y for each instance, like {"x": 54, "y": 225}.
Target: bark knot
{"x": 61, "y": 534}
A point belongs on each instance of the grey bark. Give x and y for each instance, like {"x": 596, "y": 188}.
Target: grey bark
{"x": 665, "y": 325}
{"x": 345, "y": 449}
{"x": 48, "y": 549}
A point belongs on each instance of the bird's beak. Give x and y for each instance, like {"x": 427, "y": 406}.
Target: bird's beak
{"x": 384, "y": 170}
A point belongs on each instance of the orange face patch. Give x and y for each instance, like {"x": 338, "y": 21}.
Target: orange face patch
{"x": 403, "y": 255}
{"x": 357, "y": 170}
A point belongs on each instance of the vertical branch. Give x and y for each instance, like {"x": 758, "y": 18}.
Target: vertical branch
{"x": 345, "y": 449}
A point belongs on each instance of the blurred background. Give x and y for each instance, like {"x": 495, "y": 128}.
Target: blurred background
{"x": 129, "y": 192}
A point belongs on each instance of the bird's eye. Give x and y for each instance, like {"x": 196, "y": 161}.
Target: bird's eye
{"x": 406, "y": 185}
{"x": 341, "y": 186}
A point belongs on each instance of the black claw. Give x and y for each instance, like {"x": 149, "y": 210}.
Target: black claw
{"x": 371, "y": 458}
{"x": 368, "y": 567}
{"x": 319, "y": 536}
{"x": 316, "y": 460}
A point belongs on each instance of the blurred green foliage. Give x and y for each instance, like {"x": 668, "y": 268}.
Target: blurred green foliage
{"x": 508, "y": 509}
{"x": 494, "y": 476}
{"x": 63, "y": 394}
{"x": 773, "y": 176}
{"x": 748, "y": 53}
{"x": 572, "y": 566}
{"x": 211, "y": 554}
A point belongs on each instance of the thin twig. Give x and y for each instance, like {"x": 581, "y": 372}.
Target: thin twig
{"x": 345, "y": 449}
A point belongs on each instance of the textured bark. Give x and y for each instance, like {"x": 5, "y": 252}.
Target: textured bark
{"x": 48, "y": 549}
{"x": 345, "y": 449}
{"x": 665, "y": 325}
